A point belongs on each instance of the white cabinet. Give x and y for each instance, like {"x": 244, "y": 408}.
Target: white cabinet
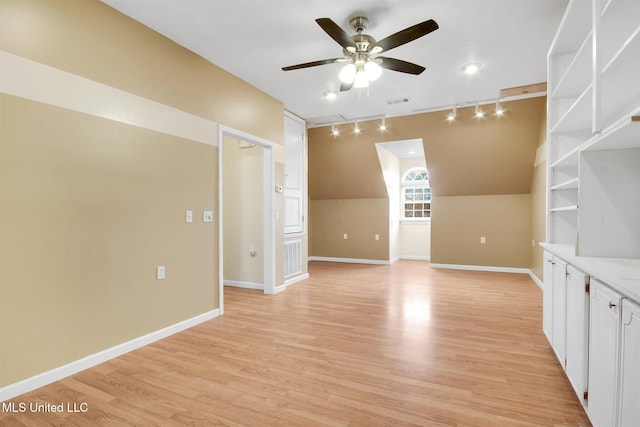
{"x": 577, "y": 334}
{"x": 604, "y": 327}
{"x": 294, "y": 174}
{"x": 565, "y": 318}
{"x": 559, "y": 304}
{"x": 547, "y": 296}
{"x": 629, "y": 411}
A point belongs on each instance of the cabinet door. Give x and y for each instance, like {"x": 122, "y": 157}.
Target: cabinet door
{"x": 294, "y": 192}
{"x": 604, "y": 328}
{"x": 577, "y": 330}
{"x": 630, "y": 365}
{"x": 547, "y": 296}
{"x": 559, "y": 321}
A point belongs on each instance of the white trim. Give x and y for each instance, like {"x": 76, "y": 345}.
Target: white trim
{"x": 416, "y": 257}
{"x": 277, "y": 290}
{"x": 481, "y": 268}
{"x": 16, "y": 389}
{"x": 535, "y": 279}
{"x": 350, "y": 260}
{"x": 32, "y": 80}
{"x": 269, "y": 236}
{"x": 246, "y": 285}
{"x": 394, "y": 260}
{"x": 296, "y": 279}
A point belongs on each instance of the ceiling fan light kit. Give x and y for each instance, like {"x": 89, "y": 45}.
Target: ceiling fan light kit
{"x": 362, "y": 67}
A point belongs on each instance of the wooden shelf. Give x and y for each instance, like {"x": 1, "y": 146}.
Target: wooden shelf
{"x": 572, "y": 208}
{"x": 619, "y": 93}
{"x": 570, "y": 159}
{"x": 578, "y": 75}
{"x": 578, "y": 116}
{"x": 570, "y": 184}
{"x": 622, "y": 135}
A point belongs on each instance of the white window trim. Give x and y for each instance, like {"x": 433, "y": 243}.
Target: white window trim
{"x": 413, "y": 184}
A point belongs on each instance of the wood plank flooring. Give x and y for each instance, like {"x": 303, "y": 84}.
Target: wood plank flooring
{"x": 355, "y": 345}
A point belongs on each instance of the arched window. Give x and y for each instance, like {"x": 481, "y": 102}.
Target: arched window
{"x": 416, "y": 195}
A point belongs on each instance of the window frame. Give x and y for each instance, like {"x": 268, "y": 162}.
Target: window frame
{"x": 414, "y": 185}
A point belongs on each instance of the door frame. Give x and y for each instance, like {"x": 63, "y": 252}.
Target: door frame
{"x": 269, "y": 236}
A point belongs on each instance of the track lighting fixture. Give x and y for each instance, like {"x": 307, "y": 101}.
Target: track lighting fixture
{"x": 479, "y": 113}
{"x": 356, "y": 128}
{"x": 452, "y": 115}
{"x": 383, "y": 125}
{"x": 499, "y": 109}
{"x": 334, "y": 131}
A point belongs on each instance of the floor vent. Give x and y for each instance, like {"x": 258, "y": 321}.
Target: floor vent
{"x": 292, "y": 258}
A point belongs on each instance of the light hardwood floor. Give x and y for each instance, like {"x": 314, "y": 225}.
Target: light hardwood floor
{"x": 354, "y": 345}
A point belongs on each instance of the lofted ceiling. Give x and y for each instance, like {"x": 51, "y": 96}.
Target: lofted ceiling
{"x": 254, "y": 39}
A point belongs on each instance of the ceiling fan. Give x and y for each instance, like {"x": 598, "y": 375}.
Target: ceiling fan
{"x": 358, "y": 49}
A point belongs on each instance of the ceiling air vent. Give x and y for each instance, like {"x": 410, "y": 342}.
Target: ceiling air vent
{"x": 399, "y": 101}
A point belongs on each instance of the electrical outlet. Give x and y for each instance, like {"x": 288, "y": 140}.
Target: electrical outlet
{"x": 377, "y": 237}
{"x": 160, "y": 272}
{"x": 483, "y": 239}
{"x": 533, "y": 243}
{"x": 344, "y": 236}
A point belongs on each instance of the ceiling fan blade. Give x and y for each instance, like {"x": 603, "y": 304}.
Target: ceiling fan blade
{"x": 345, "y": 86}
{"x": 406, "y": 35}
{"x": 312, "y": 64}
{"x": 400, "y": 65}
{"x": 336, "y": 33}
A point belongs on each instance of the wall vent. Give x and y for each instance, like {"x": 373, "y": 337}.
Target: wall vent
{"x": 399, "y": 101}
{"x": 292, "y": 258}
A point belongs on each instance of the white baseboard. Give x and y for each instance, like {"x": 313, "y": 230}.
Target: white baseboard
{"x": 535, "y": 279}
{"x": 296, "y": 279}
{"x": 350, "y": 260}
{"x": 416, "y": 257}
{"x": 246, "y": 285}
{"x": 16, "y": 389}
{"x": 481, "y": 268}
{"x": 277, "y": 290}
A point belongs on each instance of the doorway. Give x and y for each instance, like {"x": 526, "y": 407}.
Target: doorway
{"x": 246, "y": 242}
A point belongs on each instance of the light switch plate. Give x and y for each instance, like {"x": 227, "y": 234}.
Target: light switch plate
{"x": 160, "y": 272}
{"x": 188, "y": 216}
{"x": 207, "y": 216}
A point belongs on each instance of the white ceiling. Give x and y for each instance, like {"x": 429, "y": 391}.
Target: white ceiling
{"x": 254, "y": 39}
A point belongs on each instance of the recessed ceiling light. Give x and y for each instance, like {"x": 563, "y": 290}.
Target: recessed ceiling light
{"x": 411, "y": 152}
{"x": 330, "y": 95}
{"x": 471, "y": 69}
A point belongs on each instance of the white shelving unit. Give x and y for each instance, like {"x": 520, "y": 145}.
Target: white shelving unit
{"x": 593, "y": 203}
{"x": 594, "y": 107}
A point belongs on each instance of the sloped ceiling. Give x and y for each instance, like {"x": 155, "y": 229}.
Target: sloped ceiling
{"x": 493, "y": 155}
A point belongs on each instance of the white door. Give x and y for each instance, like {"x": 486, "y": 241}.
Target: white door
{"x": 603, "y": 353}
{"x": 559, "y": 324}
{"x": 293, "y": 175}
{"x": 577, "y": 330}
{"x": 547, "y": 297}
{"x": 630, "y": 365}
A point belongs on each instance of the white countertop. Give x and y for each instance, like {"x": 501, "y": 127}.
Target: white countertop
{"x": 621, "y": 274}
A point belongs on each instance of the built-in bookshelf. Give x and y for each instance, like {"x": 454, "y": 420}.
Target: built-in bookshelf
{"x": 593, "y": 130}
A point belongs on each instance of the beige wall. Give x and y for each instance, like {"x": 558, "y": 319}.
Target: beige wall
{"x": 458, "y": 222}
{"x": 243, "y": 210}
{"x": 468, "y": 157}
{"x": 538, "y": 202}
{"x": 361, "y": 219}
{"x": 90, "y": 206}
